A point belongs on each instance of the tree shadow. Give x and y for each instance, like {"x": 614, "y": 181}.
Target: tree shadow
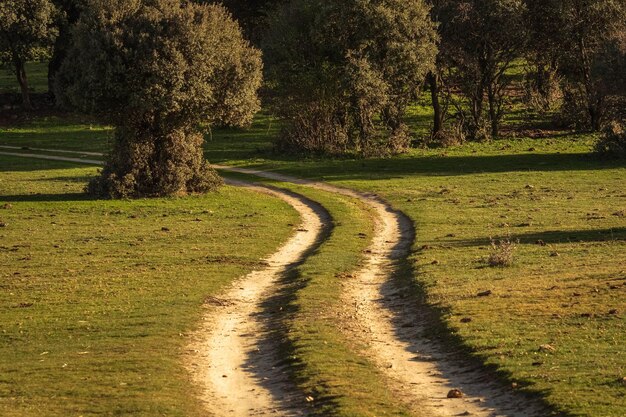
{"x": 389, "y": 168}
{"x": 554, "y": 237}
{"x": 46, "y": 198}
{"x": 277, "y": 309}
{"x": 424, "y": 330}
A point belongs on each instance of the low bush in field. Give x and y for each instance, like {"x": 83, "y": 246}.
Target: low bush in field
{"x": 502, "y": 252}
{"x": 612, "y": 143}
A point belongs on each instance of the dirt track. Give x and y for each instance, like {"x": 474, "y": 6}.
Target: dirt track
{"x": 378, "y": 314}
{"x": 234, "y": 365}
{"x": 231, "y": 358}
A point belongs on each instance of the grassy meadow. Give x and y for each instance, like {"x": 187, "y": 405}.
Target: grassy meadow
{"x": 553, "y": 323}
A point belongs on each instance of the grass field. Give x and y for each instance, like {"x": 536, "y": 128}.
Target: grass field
{"x": 555, "y": 322}
{"x": 99, "y": 297}
{"x": 566, "y": 290}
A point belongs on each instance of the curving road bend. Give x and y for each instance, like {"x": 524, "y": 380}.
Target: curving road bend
{"x": 234, "y": 367}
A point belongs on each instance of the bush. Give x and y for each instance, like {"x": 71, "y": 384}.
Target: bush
{"x": 502, "y": 252}
{"x": 147, "y": 165}
{"x": 313, "y": 129}
{"x": 339, "y": 89}
{"x": 452, "y": 134}
{"x": 612, "y": 143}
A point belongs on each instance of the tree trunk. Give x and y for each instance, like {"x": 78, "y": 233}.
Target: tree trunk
{"x": 594, "y": 104}
{"x": 477, "y": 110}
{"x": 595, "y": 114}
{"x": 22, "y": 79}
{"x": 434, "y": 95}
{"x": 493, "y": 113}
{"x": 53, "y": 67}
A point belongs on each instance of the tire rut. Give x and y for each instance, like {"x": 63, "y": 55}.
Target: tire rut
{"x": 233, "y": 358}
{"x": 241, "y": 381}
{"x": 378, "y": 314}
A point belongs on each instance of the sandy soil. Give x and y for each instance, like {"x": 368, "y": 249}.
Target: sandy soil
{"x": 232, "y": 359}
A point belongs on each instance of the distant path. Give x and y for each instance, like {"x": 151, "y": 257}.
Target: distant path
{"x": 376, "y": 312}
{"x": 53, "y": 158}
{"x": 28, "y": 148}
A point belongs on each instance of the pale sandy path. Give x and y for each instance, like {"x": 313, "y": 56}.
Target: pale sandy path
{"x": 379, "y": 315}
{"x": 232, "y": 358}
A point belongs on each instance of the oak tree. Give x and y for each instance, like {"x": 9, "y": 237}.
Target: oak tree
{"x": 157, "y": 70}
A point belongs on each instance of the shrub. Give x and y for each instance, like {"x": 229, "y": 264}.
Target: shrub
{"x": 612, "y": 143}
{"x": 352, "y": 86}
{"x": 502, "y": 252}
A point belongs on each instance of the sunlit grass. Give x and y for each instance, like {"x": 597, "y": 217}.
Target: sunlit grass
{"x": 99, "y": 298}
{"x": 566, "y": 285}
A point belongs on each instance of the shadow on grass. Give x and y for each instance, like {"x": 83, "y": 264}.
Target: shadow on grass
{"x": 459, "y": 165}
{"x": 424, "y": 329}
{"x": 41, "y": 198}
{"x": 278, "y": 310}
{"x": 257, "y": 150}
{"x": 84, "y": 179}
{"x": 554, "y": 236}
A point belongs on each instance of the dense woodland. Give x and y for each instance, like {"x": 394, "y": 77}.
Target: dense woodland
{"x": 340, "y": 75}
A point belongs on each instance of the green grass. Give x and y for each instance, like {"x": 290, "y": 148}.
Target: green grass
{"x": 70, "y": 132}
{"x": 98, "y": 301}
{"x": 37, "y": 73}
{"x": 534, "y": 190}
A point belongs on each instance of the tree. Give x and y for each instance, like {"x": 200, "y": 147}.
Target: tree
{"x": 157, "y": 69}
{"x": 480, "y": 39}
{"x": 26, "y": 32}
{"x": 69, "y": 12}
{"x": 585, "y": 37}
{"x": 251, "y": 14}
{"x": 343, "y": 72}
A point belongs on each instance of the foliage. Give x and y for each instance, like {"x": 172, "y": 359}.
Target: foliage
{"x": 69, "y": 12}
{"x": 480, "y": 39}
{"x": 612, "y": 143}
{"x": 159, "y": 163}
{"x": 157, "y": 69}
{"x": 251, "y": 14}
{"x": 26, "y": 33}
{"x": 585, "y": 38}
{"x": 352, "y": 86}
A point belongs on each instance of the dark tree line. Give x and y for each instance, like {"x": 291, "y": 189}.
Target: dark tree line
{"x": 339, "y": 73}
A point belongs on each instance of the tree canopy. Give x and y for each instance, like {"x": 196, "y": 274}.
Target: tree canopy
{"x": 158, "y": 69}
{"x": 344, "y": 71}
{"x": 27, "y": 31}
